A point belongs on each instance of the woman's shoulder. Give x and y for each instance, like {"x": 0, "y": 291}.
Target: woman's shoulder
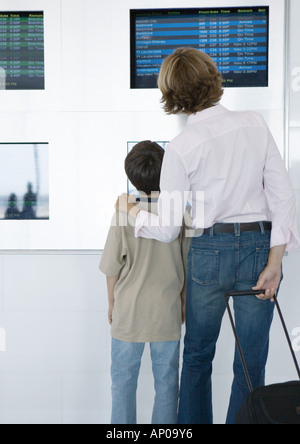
{"x": 249, "y": 117}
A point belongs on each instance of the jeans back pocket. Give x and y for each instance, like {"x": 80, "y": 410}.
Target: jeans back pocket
{"x": 205, "y": 266}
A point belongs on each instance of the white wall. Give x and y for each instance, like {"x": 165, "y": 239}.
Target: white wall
{"x": 56, "y": 367}
{"x": 53, "y": 306}
{"x": 88, "y": 113}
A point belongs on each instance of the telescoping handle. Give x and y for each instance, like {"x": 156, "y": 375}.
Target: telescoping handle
{"x": 256, "y": 293}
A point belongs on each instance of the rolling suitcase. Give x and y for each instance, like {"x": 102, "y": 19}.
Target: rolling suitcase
{"x": 273, "y": 404}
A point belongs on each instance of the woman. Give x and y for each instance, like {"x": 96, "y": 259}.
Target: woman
{"x": 249, "y": 222}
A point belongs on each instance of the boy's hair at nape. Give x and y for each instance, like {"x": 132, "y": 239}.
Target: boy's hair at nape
{"x": 143, "y": 166}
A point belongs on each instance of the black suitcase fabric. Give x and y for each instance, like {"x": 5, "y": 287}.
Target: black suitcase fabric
{"x": 276, "y": 404}
{"x": 273, "y": 404}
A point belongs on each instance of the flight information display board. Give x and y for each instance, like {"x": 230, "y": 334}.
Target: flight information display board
{"x": 22, "y": 50}
{"x": 236, "y": 38}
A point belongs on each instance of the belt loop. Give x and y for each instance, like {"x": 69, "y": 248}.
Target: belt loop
{"x": 262, "y": 228}
{"x": 237, "y": 229}
{"x": 211, "y": 233}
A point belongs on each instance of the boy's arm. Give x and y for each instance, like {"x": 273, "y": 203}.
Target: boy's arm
{"x": 183, "y": 302}
{"x": 111, "y": 283}
{"x": 113, "y": 260}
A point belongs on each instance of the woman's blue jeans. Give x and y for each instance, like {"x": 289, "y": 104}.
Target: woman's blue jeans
{"x": 218, "y": 263}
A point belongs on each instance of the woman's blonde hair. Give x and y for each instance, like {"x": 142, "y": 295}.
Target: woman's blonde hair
{"x": 189, "y": 81}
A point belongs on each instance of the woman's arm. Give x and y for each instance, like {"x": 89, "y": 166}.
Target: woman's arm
{"x": 175, "y": 187}
{"x": 281, "y": 198}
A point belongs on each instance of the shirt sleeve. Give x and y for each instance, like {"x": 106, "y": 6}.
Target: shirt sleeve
{"x": 281, "y": 199}
{"x": 114, "y": 254}
{"x": 175, "y": 186}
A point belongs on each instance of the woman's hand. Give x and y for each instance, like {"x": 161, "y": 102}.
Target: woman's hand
{"x": 122, "y": 203}
{"x": 270, "y": 278}
{"x": 126, "y": 204}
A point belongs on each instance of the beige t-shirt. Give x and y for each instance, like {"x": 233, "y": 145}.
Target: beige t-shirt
{"x": 151, "y": 278}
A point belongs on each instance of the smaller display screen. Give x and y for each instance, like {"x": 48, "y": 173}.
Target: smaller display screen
{"x": 22, "y": 50}
{"x": 237, "y": 39}
{"x": 24, "y": 181}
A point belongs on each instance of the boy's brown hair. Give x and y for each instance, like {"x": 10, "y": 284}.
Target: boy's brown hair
{"x": 143, "y": 166}
{"x": 189, "y": 81}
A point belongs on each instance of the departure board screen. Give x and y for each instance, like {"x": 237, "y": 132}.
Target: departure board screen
{"x": 237, "y": 39}
{"x": 22, "y": 50}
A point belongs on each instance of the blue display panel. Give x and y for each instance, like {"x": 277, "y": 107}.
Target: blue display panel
{"x": 236, "y": 38}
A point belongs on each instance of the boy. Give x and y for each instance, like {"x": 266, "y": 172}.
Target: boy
{"x": 145, "y": 281}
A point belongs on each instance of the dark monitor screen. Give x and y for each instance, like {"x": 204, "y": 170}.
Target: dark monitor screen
{"x": 22, "y": 50}
{"x": 236, "y": 38}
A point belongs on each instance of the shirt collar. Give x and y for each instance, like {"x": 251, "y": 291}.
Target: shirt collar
{"x": 147, "y": 199}
{"x": 206, "y": 114}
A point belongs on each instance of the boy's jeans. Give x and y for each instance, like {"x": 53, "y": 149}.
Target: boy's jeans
{"x": 126, "y": 362}
{"x": 217, "y": 264}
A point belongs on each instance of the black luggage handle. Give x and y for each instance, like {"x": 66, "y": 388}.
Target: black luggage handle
{"x": 256, "y": 293}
